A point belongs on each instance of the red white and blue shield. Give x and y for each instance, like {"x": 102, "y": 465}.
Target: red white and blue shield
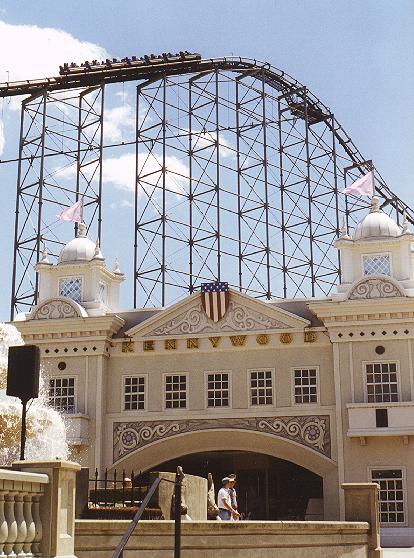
{"x": 215, "y": 299}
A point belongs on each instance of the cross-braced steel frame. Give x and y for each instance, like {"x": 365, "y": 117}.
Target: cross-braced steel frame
{"x": 239, "y": 170}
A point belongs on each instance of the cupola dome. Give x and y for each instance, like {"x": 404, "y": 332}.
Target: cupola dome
{"x": 376, "y": 224}
{"x": 80, "y": 249}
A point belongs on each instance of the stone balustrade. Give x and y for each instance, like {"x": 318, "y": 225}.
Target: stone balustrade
{"x": 20, "y": 518}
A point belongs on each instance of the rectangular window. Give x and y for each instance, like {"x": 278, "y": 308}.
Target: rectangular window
{"x": 392, "y": 502}
{"x": 62, "y": 394}
{"x": 381, "y": 382}
{"x": 71, "y": 287}
{"x": 176, "y": 391}
{"x": 218, "y": 389}
{"x": 134, "y": 393}
{"x": 305, "y": 385}
{"x": 261, "y": 388}
{"x": 377, "y": 264}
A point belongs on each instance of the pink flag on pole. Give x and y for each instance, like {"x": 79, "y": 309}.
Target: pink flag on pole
{"x": 72, "y": 213}
{"x": 364, "y": 186}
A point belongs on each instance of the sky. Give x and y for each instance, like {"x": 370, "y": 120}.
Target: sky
{"x": 357, "y": 56}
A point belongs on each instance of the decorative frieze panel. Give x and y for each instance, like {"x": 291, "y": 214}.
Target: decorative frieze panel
{"x": 375, "y": 287}
{"x": 56, "y": 309}
{"x": 310, "y": 431}
{"x": 238, "y": 318}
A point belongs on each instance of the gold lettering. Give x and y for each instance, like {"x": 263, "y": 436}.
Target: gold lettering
{"x": 192, "y": 343}
{"x": 149, "y": 345}
{"x": 170, "y": 344}
{"x": 237, "y": 340}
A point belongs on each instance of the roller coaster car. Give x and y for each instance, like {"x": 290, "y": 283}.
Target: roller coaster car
{"x": 134, "y": 61}
{"x": 313, "y": 114}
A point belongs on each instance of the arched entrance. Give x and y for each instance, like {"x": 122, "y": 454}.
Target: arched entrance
{"x": 250, "y": 455}
{"x": 267, "y": 487}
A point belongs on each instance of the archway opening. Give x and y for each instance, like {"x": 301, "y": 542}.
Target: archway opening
{"x": 267, "y": 487}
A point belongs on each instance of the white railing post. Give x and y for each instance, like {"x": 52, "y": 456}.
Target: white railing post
{"x": 11, "y": 524}
{"x": 28, "y": 503}
{"x": 38, "y": 523}
{"x": 21, "y": 524}
{"x": 4, "y": 529}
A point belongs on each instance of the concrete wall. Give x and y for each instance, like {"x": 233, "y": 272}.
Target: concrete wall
{"x": 202, "y": 539}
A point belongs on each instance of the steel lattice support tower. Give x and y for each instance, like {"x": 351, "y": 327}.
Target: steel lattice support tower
{"x": 238, "y": 174}
{"x": 57, "y": 130}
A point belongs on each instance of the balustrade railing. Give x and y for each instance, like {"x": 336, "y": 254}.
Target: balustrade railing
{"x": 20, "y": 522}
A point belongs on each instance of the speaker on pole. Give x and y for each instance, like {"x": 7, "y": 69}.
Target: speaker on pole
{"x": 23, "y": 372}
{"x": 23, "y": 380}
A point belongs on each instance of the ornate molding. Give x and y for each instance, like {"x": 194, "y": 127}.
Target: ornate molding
{"x": 375, "y": 287}
{"x": 58, "y": 308}
{"x": 237, "y": 318}
{"x": 310, "y": 431}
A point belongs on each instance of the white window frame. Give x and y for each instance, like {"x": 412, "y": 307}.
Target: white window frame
{"x": 124, "y": 376}
{"x": 206, "y": 373}
{"x": 75, "y": 388}
{"x": 318, "y": 388}
{"x": 164, "y": 390}
{"x": 403, "y": 470}
{"x": 364, "y": 380}
{"x": 373, "y": 255}
{"x": 249, "y": 388}
{"x": 66, "y": 278}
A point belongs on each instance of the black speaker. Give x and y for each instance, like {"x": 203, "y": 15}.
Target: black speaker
{"x": 23, "y": 372}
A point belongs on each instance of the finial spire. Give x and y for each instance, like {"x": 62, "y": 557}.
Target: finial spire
{"x": 81, "y": 230}
{"x": 116, "y": 267}
{"x": 343, "y": 231}
{"x": 98, "y": 253}
{"x": 405, "y": 225}
{"x": 375, "y": 208}
{"x": 45, "y": 259}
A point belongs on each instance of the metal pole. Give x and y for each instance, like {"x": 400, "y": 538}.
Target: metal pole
{"x": 23, "y": 430}
{"x": 177, "y": 511}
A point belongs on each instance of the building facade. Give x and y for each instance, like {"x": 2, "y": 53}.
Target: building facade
{"x": 295, "y": 396}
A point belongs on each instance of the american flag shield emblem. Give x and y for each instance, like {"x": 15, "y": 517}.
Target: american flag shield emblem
{"x": 215, "y": 299}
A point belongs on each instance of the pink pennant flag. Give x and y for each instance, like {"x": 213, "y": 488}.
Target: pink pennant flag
{"x": 72, "y": 213}
{"x": 364, "y": 186}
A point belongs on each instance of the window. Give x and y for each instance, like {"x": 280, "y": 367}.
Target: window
{"x": 176, "y": 391}
{"x": 71, "y": 287}
{"x": 377, "y": 264}
{"x": 392, "y": 505}
{"x": 218, "y": 389}
{"x": 62, "y": 394}
{"x": 305, "y": 385}
{"x": 261, "y": 389}
{"x": 134, "y": 393}
{"x": 381, "y": 382}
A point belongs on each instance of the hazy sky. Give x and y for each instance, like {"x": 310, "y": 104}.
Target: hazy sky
{"x": 357, "y": 56}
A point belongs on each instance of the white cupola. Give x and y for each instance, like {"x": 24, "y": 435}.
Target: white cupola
{"x": 80, "y": 275}
{"x": 379, "y": 250}
{"x": 80, "y": 249}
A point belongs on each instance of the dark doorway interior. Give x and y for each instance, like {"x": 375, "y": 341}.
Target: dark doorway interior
{"x": 267, "y": 487}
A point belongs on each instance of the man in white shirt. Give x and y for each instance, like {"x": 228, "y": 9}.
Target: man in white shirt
{"x": 226, "y": 511}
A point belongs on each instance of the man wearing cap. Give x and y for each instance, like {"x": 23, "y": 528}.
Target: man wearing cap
{"x": 226, "y": 511}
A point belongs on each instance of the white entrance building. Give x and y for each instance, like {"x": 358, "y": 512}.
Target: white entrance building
{"x": 298, "y": 396}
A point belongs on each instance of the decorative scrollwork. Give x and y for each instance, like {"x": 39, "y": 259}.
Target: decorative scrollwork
{"x": 237, "y": 318}
{"x": 310, "y": 431}
{"x": 56, "y": 309}
{"x": 375, "y": 287}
